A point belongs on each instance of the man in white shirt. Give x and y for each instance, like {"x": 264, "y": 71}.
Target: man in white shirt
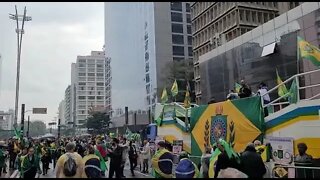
{"x": 266, "y": 98}
{"x": 145, "y": 153}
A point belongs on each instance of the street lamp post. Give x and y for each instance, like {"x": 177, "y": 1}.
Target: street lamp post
{"x": 20, "y": 32}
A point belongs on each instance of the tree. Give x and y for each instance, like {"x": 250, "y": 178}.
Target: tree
{"x": 98, "y": 123}
{"x": 182, "y": 71}
{"x": 36, "y": 128}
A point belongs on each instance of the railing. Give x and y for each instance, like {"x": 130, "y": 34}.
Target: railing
{"x": 277, "y": 102}
{"x": 301, "y": 170}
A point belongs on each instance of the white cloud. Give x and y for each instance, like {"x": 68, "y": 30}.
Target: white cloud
{"x": 58, "y": 32}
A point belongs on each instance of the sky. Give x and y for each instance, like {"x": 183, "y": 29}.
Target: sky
{"x": 57, "y": 34}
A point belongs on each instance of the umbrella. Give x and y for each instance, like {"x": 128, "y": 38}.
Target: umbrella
{"x": 48, "y": 136}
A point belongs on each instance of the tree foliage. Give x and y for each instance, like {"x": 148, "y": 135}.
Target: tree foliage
{"x": 182, "y": 71}
{"x": 98, "y": 123}
{"x": 36, "y": 128}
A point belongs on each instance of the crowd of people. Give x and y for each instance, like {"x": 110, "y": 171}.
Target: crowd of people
{"x": 85, "y": 157}
{"x": 88, "y": 158}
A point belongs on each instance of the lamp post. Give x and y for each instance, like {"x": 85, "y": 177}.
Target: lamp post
{"x": 19, "y": 32}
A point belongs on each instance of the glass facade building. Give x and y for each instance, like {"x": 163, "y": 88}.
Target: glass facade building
{"x": 242, "y": 58}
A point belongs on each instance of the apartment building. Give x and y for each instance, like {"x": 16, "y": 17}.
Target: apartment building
{"x": 90, "y": 86}
{"x": 6, "y": 119}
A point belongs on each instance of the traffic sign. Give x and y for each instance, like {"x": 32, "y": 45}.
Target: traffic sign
{"x": 39, "y": 110}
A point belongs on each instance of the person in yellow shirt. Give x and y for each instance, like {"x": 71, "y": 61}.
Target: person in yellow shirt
{"x": 70, "y": 164}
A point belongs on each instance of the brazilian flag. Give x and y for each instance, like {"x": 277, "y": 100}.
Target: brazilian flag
{"x": 238, "y": 122}
{"x": 162, "y": 163}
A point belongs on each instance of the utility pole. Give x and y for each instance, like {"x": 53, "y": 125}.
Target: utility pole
{"x": 20, "y": 32}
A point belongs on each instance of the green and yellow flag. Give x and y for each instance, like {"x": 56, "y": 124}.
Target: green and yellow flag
{"x": 237, "y": 87}
{"x": 186, "y": 102}
{"x": 174, "y": 88}
{"x": 309, "y": 51}
{"x": 293, "y": 92}
{"x": 164, "y": 96}
{"x": 282, "y": 89}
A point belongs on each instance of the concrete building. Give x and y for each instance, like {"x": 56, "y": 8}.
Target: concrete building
{"x": 216, "y": 23}
{"x": 6, "y": 119}
{"x": 68, "y": 107}
{"x": 62, "y": 114}
{"x": 149, "y": 37}
{"x": 242, "y": 57}
{"x": 90, "y": 81}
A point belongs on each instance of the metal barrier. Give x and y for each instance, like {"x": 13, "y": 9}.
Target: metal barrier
{"x": 298, "y": 171}
{"x": 281, "y": 101}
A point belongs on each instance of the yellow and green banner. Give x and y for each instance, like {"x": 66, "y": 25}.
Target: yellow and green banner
{"x": 232, "y": 121}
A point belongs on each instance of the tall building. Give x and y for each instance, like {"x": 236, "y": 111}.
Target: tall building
{"x": 149, "y": 37}
{"x": 62, "y": 114}
{"x": 90, "y": 80}
{"x": 68, "y": 107}
{"x": 6, "y": 119}
{"x": 216, "y": 23}
{"x": 245, "y": 57}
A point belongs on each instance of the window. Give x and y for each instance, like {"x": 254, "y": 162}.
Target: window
{"x": 176, "y": 6}
{"x": 146, "y": 56}
{"x": 100, "y": 84}
{"x": 82, "y": 61}
{"x": 99, "y": 65}
{"x": 148, "y": 88}
{"x": 188, "y": 18}
{"x": 178, "y": 58}
{"x": 146, "y": 43}
{"x": 81, "y": 65}
{"x": 91, "y": 97}
{"x": 147, "y": 67}
{"x": 190, "y": 51}
{"x": 81, "y": 97}
{"x": 99, "y": 97}
{"x": 189, "y": 29}
{"x": 177, "y": 28}
{"x": 82, "y": 74}
{"x": 82, "y": 83}
{"x": 178, "y": 50}
{"x": 189, "y": 40}
{"x": 91, "y": 74}
{"x": 187, "y": 7}
{"x": 177, "y": 39}
{"x": 99, "y": 74}
{"x": 147, "y": 78}
{"x": 176, "y": 17}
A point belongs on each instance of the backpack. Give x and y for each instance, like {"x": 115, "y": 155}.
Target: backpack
{"x": 70, "y": 166}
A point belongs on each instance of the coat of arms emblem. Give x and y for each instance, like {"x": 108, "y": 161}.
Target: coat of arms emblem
{"x": 219, "y": 126}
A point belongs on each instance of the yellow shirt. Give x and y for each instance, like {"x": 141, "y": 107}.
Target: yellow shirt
{"x": 63, "y": 159}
